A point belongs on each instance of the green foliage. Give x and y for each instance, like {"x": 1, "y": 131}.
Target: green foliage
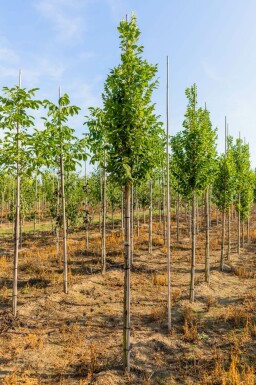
{"x": 133, "y": 135}
{"x": 194, "y": 149}
{"x": 14, "y": 107}
{"x": 58, "y": 139}
{"x": 244, "y": 178}
{"x": 224, "y": 183}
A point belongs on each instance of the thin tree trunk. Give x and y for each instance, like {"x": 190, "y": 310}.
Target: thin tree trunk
{"x": 248, "y": 229}
{"x": 243, "y": 234}
{"x": 122, "y": 212}
{"x": 113, "y": 223}
{"x": 138, "y": 217}
{"x": 150, "y": 219}
{"x": 64, "y": 223}
{"x": 207, "y": 238}
{"x": 222, "y": 240}
{"x": 193, "y": 259}
{"x": 17, "y": 224}
{"x": 103, "y": 229}
{"x": 238, "y": 227}
{"x": 57, "y": 219}
{"x": 127, "y": 279}
{"x": 178, "y": 217}
{"x": 229, "y": 237}
{"x": 132, "y": 192}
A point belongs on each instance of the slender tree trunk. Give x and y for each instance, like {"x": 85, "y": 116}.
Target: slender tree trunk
{"x": 164, "y": 211}
{"x": 103, "y": 229}
{"x": 138, "y": 217}
{"x": 17, "y": 223}
{"x": 248, "y": 229}
{"x": 113, "y": 223}
{"x": 207, "y": 238}
{"x": 2, "y": 207}
{"x": 210, "y": 207}
{"x": 238, "y": 227}
{"x": 64, "y": 224}
{"x": 122, "y": 213}
{"x": 127, "y": 279}
{"x": 193, "y": 259}
{"x": 229, "y": 238}
{"x": 132, "y": 211}
{"x": 178, "y": 217}
{"x": 150, "y": 219}
{"x": 189, "y": 221}
{"x": 243, "y": 234}
{"x": 217, "y": 216}
{"x": 57, "y": 219}
{"x": 222, "y": 240}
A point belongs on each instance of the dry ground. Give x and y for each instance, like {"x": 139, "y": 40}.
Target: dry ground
{"x": 77, "y": 338}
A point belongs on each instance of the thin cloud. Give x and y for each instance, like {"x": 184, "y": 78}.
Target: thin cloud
{"x": 65, "y": 16}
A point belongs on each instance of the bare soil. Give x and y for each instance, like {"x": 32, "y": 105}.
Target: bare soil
{"x": 77, "y": 338}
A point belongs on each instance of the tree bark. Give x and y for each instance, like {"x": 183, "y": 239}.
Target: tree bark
{"x": 64, "y": 226}
{"x": 132, "y": 192}
{"x": 103, "y": 227}
{"x": 150, "y": 219}
{"x": 193, "y": 259}
{"x": 238, "y": 227}
{"x": 16, "y": 230}
{"x": 222, "y": 240}
{"x": 178, "y": 217}
{"x": 229, "y": 237}
{"x": 127, "y": 279}
{"x": 207, "y": 238}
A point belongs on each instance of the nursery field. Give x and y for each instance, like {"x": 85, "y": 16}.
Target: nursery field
{"x": 76, "y": 338}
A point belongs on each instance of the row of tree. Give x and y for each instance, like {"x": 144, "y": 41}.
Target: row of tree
{"x": 128, "y": 143}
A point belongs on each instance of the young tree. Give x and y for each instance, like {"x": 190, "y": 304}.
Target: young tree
{"x": 193, "y": 151}
{"x": 132, "y": 133}
{"x": 17, "y": 151}
{"x": 58, "y": 147}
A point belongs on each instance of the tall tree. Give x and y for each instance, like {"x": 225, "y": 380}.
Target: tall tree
{"x": 58, "y": 147}
{"x": 17, "y": 151}
{"x": 132, "y": 133}
{"x": 193, "y": 151}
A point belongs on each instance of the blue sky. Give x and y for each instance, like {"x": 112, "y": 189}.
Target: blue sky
{"x": 74, "y": 43}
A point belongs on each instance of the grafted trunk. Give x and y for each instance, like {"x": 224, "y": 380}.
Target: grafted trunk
{"x": 193, "y": 259}
{"x": 127, "y": 279}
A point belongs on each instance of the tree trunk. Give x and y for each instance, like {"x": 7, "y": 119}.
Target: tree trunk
{"x": 127, "y": 279}
{"x": 150, "y": 219}
{"x": 238, "y": 227}
{"x": 178, "y": 217}
{"x": 138, "y": 217}
{"x": 122, "y": 212}
{"x": 243, "y": 234}
{"x": 103, "y": 228}
{"x": 64, "y": 224}
{"x": 193, "y": 259}
{"x": 207, "y": 238}
{"x": 222, "y": 240}
{"x": 132, "y": 223}
{"x": 16, "y": 230}
{"x": 248, "y": 229}
{"x": 229, "y": 238}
